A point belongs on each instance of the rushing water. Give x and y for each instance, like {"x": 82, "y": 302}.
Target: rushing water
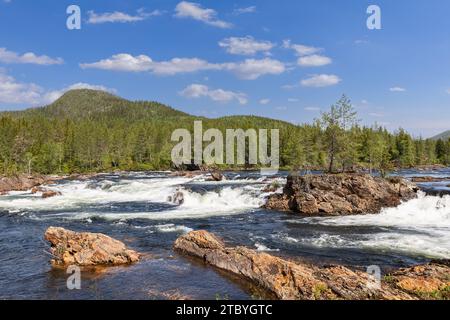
{"x": 134, "y": 208}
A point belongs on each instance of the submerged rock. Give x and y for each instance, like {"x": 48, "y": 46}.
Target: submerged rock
{"x": 87, "y": 249}
{"x": 429, "y": 179}
{"x": 285, "y": 279}
{"x": 334, "y": 194}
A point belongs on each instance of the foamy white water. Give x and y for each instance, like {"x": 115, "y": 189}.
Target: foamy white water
{"x": 420, "y": 226}
{"x": 77, "y": 195}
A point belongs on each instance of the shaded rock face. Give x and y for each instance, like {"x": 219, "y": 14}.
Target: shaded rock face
{"x": 87, "y": 249}
{"x": 331, "y": 194}
{"x": 285, "y": 279}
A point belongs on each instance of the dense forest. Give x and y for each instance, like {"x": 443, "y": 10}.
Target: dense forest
{"x": 86, "y": 131}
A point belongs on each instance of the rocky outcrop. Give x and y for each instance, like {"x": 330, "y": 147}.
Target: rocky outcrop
{"x": 430, "y": 281}
{"x": 334, "y": 194}
{"x": 285, "y": 279}
{"x": 22, "y": 182}
{"x": 50, "y": 194}
{"x": 87, "y": 249}
{"x": 216, "y": 176}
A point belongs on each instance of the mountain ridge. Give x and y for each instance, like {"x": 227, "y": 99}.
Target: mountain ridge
{"x": 443, "y": 136}
{"x": 79, "y": 104}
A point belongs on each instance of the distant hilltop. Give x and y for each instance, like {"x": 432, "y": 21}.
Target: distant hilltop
{"x": 443, "y": 136}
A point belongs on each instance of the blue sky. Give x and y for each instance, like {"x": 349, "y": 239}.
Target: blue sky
{"x": 287, "y": 59}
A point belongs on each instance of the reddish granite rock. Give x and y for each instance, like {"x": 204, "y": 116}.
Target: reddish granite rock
{"x": 333, "y": 194}
{"x": 285, "y": 279}
{"x": 87, "y": 249}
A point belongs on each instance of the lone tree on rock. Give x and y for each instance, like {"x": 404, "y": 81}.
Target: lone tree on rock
{"x": 336, "y": 124}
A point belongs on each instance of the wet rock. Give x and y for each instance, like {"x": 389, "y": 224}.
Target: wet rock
{"x": 177, "y": 198}
{"x": 429, "y": 179}
{"x": 21, "y": 182}
{"x": 285, "y": 279}
{"x": 333, "y": 194}
{"x": 216, "y": 176}
{"x": 87, "y": 249}
{"x": 430, "y": 167}
{"x": 50, "y": 194}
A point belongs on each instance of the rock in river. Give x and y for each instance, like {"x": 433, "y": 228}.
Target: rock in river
{"x": 87, "y": 249}
{"x": 333, "y": 194}
{"x": 285, "y": 279}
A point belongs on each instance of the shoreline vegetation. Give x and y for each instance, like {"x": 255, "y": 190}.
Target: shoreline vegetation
{"x": 88, "y": 131}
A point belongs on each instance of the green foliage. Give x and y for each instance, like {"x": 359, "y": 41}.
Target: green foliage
{"x": 88, "y": 130}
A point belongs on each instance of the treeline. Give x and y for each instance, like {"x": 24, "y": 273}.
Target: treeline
{"x": 87, "y": 131}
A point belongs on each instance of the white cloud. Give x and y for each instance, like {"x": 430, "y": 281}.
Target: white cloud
{"x": 15, "y": 92}
{"x": 293, "y": 100}
{"x": 301, "y": 50}
{"x": 249, "y": 69}
{"x": 7, "y": 56}
{"x": 122, "y": 62}
{"x": 397, "y": 89}
{"x": 245, "y": 45}
{"x": 195, "y": 11}
{"x": 375, "y": 114}
{"x": 281, "y": 108}
{"x": 220, "y": 95}
{"x": 321, "y": 80}
{"x": 264, "y": 101}
{"x": 314, "y": 61}
{"x": 312, "y": 109}
{"x": 182, "y": 65}
{"x": 240, "y": 11}
{"x": 448, "y": 91}
{"x": 121, "y": 17}
{"x": 143, "y": 63}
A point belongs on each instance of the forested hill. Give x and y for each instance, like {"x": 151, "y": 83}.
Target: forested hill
{"x": 443, "y": 136}
{"x": 93, "y": 104}
{"x": 88, "y": 130}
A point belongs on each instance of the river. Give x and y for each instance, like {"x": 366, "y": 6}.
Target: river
{"x": 135, "y": 208}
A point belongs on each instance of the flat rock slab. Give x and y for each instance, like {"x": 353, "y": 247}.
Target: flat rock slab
{"x": 87, "y": 249}
{"x": 291, "y": 281}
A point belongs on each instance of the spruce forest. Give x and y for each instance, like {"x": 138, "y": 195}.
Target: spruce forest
{"x": 94, "y": 131}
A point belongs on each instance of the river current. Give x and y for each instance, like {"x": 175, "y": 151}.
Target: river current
{"x": 135, "y": 208}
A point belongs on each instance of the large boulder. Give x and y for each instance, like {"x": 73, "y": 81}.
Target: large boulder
{"x": 87, "y": 249}
{"x": 333, "y": 194}
{"x": 285, "y": 279}
{"x": 216, "y": 176}
{"x": 22, "y": 182}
